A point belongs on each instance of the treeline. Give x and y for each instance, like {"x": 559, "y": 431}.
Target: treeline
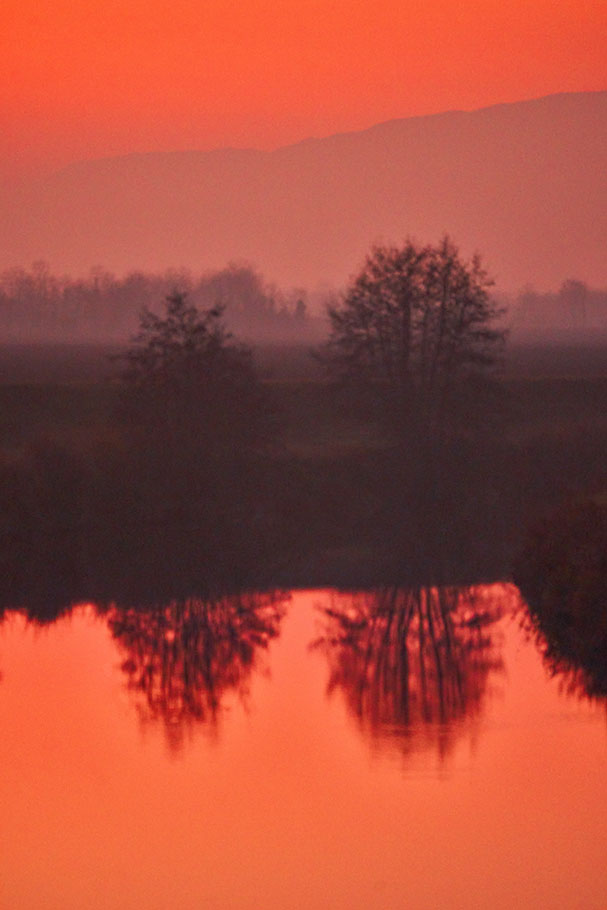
{"x": 574, "y": 311}
{"x": 36, "y": 305}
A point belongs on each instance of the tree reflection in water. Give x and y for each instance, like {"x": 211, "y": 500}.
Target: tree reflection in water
{"x": 181, "y": 660}
{"x": 414, "y": 662}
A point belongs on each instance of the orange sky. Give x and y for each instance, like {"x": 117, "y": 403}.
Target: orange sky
{"x": 86, "y": 78}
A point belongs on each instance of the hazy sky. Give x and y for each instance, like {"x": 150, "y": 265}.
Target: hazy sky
{"x": 87, "y": 78}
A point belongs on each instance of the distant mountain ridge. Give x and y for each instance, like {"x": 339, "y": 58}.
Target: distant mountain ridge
{"x": 524, "y": 183}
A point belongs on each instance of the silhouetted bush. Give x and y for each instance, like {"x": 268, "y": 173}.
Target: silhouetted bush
{"x": 562, "y": 573}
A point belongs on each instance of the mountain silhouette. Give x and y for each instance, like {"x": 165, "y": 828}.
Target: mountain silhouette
{"x": 524, "y": 183}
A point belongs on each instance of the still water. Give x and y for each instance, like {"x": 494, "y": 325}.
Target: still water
{"x": 312, "y": 750}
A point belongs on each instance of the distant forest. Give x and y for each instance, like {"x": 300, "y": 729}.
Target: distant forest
{"x": 575, "y": 310}
{"x": 36, "y": 305}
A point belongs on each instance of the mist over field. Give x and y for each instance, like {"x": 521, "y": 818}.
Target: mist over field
{"x": 37, "y": 306}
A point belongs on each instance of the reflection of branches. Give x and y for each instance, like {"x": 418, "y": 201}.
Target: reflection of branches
{"x": 576, "y": 658}
{"x": 183, "y": 658}
{"x": 573, "y": 656}
{"x": 410, "y": 658}
{"x": 577, "y": 680}
{"x": 562, "y": 573}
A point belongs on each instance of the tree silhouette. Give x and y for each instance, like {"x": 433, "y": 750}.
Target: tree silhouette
{"x": 197, "y": 422}
{"x": 562, "y": 574}
{"x": 416, "y": 322}
{"x": 185, "y": 376}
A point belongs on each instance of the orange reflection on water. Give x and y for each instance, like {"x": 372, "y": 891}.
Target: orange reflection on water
{"x": 288, "y": 807}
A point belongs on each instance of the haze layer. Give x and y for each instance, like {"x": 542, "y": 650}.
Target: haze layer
{"x": 525, "y": 184}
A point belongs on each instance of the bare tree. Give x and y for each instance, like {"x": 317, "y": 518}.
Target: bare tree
{"x": 416, "y": 321}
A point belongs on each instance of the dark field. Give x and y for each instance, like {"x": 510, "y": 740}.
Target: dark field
{"x": 60, "y": 363}
{"x": 340, "y": 506}
{"x": 59, "y": 389}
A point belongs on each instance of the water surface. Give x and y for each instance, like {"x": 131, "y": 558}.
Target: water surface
{"x": 291, "y": 752}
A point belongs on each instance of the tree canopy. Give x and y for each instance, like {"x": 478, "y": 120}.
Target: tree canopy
{"x": 417, "y": 320}
{"x": 188, "y": 377}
